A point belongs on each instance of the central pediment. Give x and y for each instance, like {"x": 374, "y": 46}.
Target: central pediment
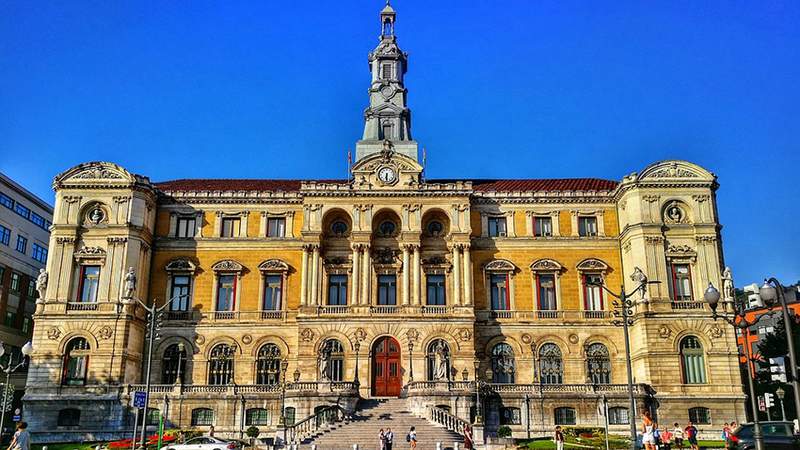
{"x": 387, "y": 170}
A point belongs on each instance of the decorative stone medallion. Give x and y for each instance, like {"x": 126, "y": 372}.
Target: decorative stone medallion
{"x": 464, "y": 334}
{"x": 246, "y": 339}
{"x": 200, "y": 339}
{"x": 664, "y": 332}
{"x": 715, "y": 331}
{"x": 573, "y": 338}
{"x": 53, "y": 333}
{"x": 526, "y": 338}
{"x": 412, "y": 335}
{"x": 307, "y": 335}
{"x": 360, "y": 334}
{"x": 105, "y": 332}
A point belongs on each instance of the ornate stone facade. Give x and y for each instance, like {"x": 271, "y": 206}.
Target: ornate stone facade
{"x": 383, "y": 284}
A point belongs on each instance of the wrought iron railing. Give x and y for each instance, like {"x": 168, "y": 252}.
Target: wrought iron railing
{"x": 322, "y": 419}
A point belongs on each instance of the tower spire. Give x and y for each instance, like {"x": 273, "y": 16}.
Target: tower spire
{"x": 387, "y": 117}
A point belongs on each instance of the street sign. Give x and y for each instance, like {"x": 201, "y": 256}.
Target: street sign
{"x": 139, "y": 399}
{"x": 777, "y": 369}
{"x": 769, "y": 400}
{"x": 16, "y": 418}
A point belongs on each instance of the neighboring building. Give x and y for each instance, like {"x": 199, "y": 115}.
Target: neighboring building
{"x": 25, "y": 221}
{"x": 409, "y": 280}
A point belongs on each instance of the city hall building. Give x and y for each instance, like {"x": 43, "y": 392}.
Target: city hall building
{"x": 310, "y": 293}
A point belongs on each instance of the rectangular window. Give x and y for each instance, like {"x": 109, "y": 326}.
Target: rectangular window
{"x": 38, "y": 220}
{"x": 337, "y": 290}
{"x": 618, "y": 416}
{"x": 15, "y": 280}
{"x": 257, "y": 416}
{"x": 39, "y": 253}
{"x": 226, "y": 293}
{"x": 6, "y": 201}
{"x": 510, "y": 416}
{"x": 542, "y": 226}
{"x": 11, "y": 319}
{"x": 230, "y": 227}
{"x": 497, "y": 226}
{"x": 587, "y": 226}
{"x": 565, "y": 416}
{"x": 700, "y": 415}
{"x": 498, "y": 286}
{"x": 436, "y": 290}
{"x": 88, "y": 284}
{"x": 32, "y": 288}
{"x": 592, "y": 292}
{"x": 22, "y": 210}
{"x": 180, "y": 292}
{"x": 273, "y": 285}
{"x": 387, "y": 289}
{"x": 386, "y": 71}
{"x": 5, "y": 235}
{"x": 22, "y": 244}
{"x": 546, "y": 285}
{"x": 387, "y": 130}
{"x": 276, "y": 227}
{"x": 682, "y": 282}
{"x": 26, "y": 324}
{"x": 186, "y": 227}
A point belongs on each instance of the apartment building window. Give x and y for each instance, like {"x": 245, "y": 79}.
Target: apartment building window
{"x": 587, "y": 226}
{"x": 592, "y": 292}
{"x": 226, "y": 292}
{"x": 387, "y": 289}
{"x": 180, "y": 292}
{"x": 22, "y": 210}
{"x": 6, "y": 201}
{"x": 337, "y": 290}
{"x": 88, "y": 284}
{"x": 39, "y": 253}
{"x": 276, "y": 227}
{"x": 26, "y": 324}
{"x": 22, "y": 244}
{"x": 31, "y": 288}
{"x": 565, "y": 416}
{"x": 497, "y": 226}
{"x": 15, "y": 281}
{"x": 542, "y": 226}
{"x": 436, "y": 290}
{"x": 682, "y": 282}
{"x": 38, "y": 220}
{"x": 231, "y": 227}
{"x": 186, "y": 227}
{"x": 273, "y": 286}
{"x": 11, "y": 319}
{"x": 5, "y": 235}
{"x": 498, "y": 287}
{"x": 546, "y": 287}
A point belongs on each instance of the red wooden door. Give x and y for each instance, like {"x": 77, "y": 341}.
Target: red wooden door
{"x": 386, "y": 377}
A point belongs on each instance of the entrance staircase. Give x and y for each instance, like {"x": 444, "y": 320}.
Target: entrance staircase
{"x": 372, "y": 415}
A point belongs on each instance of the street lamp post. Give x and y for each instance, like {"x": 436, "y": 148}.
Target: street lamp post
{"x": 771, "y": 291}
{"x": 10, "y": 367}
{"x": 410, "y": 361}
{"x": 356, "y": 382}
{"x": 739, "y": 322}
{"x": 781, "y": 394}
{"x": 478, "y": 407}
{"x": 178, "y": 374}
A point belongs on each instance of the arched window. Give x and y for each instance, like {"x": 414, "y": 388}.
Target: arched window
{"x": 268, "y": 365}
{"x": 503, "y": 366}
{"x": 173, "y": 364}
{"x": 257, "y": 416}
{"x": 565, "y": 416}
{"x": 70, "y": 417}
{"x": 331, "y": 360}
{"x": 551, "y": 367}
{"x": 598, "y": 364}
{"x": 202, "y": 417}
{"x": 76, "y": 362}
{"x": 700, "y": 415}
{"x": 220, "y": 364}
{"x": 618, "y": 416}
{"x": 438, "y": 361}
{"x": 693, "y": 361}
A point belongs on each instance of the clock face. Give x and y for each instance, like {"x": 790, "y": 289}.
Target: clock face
{"x": 387, "y": 175}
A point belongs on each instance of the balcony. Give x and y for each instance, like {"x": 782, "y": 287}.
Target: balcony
{"x": 422, "y": 388}
{"x": 684, "y": 305}
{"x": 543, "y": 316}
{"x": 82, "y": 306}
{"x": 292, "y": 388}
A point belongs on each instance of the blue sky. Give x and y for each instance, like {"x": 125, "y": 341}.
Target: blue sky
{"x": 515, "y": 89}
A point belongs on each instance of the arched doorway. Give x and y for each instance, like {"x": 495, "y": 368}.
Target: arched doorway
{"x": 386, "y": 377}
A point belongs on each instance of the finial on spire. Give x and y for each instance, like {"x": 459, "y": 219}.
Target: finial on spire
{"x": 387, "y": 20}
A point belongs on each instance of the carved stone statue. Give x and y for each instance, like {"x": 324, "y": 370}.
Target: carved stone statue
{"x": 440, "y": 355}
{"x": 41, "y": 285}
{"x": 324, "y": 362}
{"x": 130, "y": 283}
{"x": 641, "y": 280}
{"x": 96, "y": 215}
{"x": 728, "y": 293}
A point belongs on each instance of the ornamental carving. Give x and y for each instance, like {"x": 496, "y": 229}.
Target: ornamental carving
{"x": 500, "y": 265}
{"x": 90, "y": 252}
{"x": 227, "y": 265}
{"x": 306, "y": 335}
{"x": 180, "y": 265}
{"x": 674, "y": 213}
{"x": 200, "y": 339}
{"x": 673, "y": 171}
{"x": 97, "y": 173}
{"x": 651, "y": 198}
{"x": 247, "y": 339}
{"x": 464, "y": 334}
{"x": 385, "y": 256}
{"x": 360, "y": 334}
{"x": 526, "y": 339}
{"x": 592, "y": 264}
{"x": 105, "y": 333}
{"x": 654, "y": 239}
{"x": 435, "y": 261}
{"x": 96, "y": 215}
{"x": 53, "y": 333}
{"x": 546, "y": 264}
{"x": 716, "y": 332}
{"x": 273, "y": 265}
{"x": 664, "y": 332}
{"x": 679, "y": 250}
{"x": 573, "y": 339}
{"x": 65, "y": 240}
{"x": 412, "y": 335}
{"x": 701, "y": 198}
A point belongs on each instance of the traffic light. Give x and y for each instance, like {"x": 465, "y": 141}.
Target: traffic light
{"x": 769, "y": 399}
{"x": 777, "y": 369}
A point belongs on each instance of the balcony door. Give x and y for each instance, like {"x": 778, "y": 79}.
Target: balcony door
{"x": 387, "y": 379}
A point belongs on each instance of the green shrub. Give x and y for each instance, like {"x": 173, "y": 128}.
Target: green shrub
{"x": 252, "y": 432}
{"x": 504, "y": 432}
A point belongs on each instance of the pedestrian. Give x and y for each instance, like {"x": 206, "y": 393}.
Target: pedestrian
{"x": 388, "y": 438}
{"x": 691, "y": 435}
{"x": 558, "y": 437}
{"x": 726, "y": 433}
{"x": 211, "y": 431}
{"x": 411, "y": 438}
{"x": 666, "y": 439}
{"x": 381, "y": 440}
{"x": 678, "y": 433}
{"x": 648, "y": 431}
{"x": 467, "y": 437}
{"x": 21, "y": 439}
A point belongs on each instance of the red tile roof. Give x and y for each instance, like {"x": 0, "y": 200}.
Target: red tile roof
{"x": 479, "y": 185}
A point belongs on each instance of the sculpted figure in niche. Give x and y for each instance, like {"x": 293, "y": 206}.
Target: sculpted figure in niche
{"x": 728, "y": 293}
{"x": 96, "y": 215}
{"x": 130, "y": 283}
{"x": 641, "y": 280}
{"x": 324, "y": 362}
{"x": 440, "y": 353}
{"x": 41, "y": 285}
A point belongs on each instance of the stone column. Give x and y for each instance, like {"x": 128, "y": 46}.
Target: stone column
{"x": 406, "y": 270}
{"x": 366, "y": 270}
{"x": 314, "y": 275}
{"x": 467, "y": 276}
{"x": 416, "y": 277}
{"x": 456, "y": 275}
{"x": 355, "y": 278}
{"x": 304, "y": 277}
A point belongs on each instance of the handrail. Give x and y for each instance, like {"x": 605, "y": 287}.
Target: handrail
{"x": 299, "y": 431}
{"x": 449, "y": 421}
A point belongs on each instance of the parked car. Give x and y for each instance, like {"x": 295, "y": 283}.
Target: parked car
{"x": 205, "y": 443}
{"x": 777, "y": 436}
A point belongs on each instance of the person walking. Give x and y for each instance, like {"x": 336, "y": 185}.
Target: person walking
{"x": 726, "y": 433}
{"x": 411, "y": 438}
{"x": 388, "y": 438}
{"x": 381, "y": 440}
{"x": 666, "y": 440}
{"x": 648, "y": 431}
{"x": 678, "y": 434}
{"x": 558, "y": 437}
{"x": 21, "y": 439}
{"x": 468, "y": 437}
{"x": 691, "y": 436}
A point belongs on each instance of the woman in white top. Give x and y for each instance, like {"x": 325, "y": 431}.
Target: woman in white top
{"x": 677, "y": 433}
{"x": 648, "y": 431}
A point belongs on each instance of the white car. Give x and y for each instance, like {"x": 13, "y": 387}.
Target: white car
{"x": 204, "y": 443}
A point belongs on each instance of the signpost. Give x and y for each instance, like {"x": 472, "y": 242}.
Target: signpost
{"x": 139, "y": 400}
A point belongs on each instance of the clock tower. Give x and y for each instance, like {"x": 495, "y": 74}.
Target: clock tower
{"x": 387, "y": 118}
